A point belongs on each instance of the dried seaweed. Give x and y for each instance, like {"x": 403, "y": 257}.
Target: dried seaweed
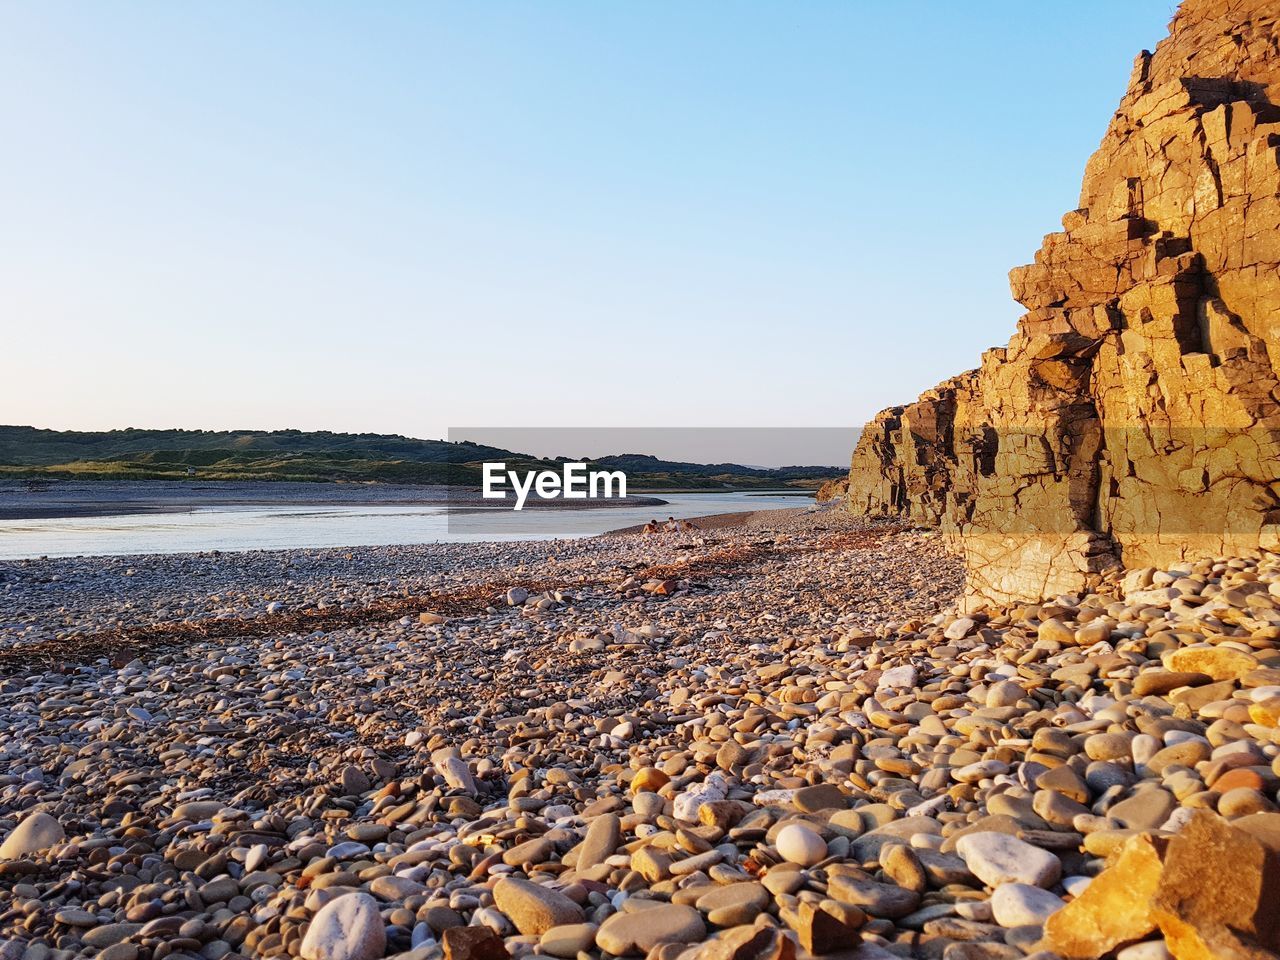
{"x": 120, "y": 645}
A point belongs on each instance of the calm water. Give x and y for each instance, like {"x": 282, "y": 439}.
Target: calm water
{"x": 278, "y": 527}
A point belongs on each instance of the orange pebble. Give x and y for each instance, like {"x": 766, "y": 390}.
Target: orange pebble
{"x": 1240, "y": 777}
{"x": 649, "y": 778}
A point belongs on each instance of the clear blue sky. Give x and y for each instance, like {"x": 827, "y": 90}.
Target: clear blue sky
{"x": 401, "y": 217}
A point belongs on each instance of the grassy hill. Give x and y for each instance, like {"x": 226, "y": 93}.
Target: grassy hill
{"x": 29, "y": 445}
{"x": 321, "y": 456}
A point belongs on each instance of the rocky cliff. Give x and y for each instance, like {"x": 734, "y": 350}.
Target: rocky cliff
{"x": 1134, "y": 417}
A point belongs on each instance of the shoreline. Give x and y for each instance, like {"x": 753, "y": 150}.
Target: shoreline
{"x": 224, "y": 574}
{"x": 70, "y": 499}
{"x": 712, "y": 522}
{"x": 431, "y": 733}
{"x": 109, "y": 498}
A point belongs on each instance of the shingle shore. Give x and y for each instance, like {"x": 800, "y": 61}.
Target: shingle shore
{"x": 771, "y": 741}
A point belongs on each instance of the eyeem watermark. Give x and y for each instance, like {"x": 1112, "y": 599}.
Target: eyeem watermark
{"x": 574, "y": 482}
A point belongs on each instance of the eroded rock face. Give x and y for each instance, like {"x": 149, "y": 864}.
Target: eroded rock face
{"x": 1134, "y": 416}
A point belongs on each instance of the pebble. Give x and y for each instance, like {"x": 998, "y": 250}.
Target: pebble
{"x": 348, "y": 928}
{"x": 602, "y": 839}
{"x": 903, "y": 677}
{"x": 1150, "y": 950}
{"x": 534, "y": 908}
{"x": 34, "y": 834}
{"x": 1020, "y": 904}
{"x": 998, "y": 858}
{"x": 636, "y": 933}
{"x": 798, "y": 844}
{"x": 569, "y": 940}
{"x": 599, "y": 767}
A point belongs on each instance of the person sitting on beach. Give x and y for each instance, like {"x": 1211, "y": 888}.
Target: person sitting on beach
{"x": 671, "y": 526}
{"x": 688, "y": 526}
{"x": 650, "y": 528}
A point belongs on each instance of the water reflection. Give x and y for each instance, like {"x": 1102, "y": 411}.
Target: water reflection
{"x": 231, "y": 528}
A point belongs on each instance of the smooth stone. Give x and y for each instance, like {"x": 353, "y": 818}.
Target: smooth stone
{"x": 1220, "y": 663}
{"x": 732, "y": 755}
{"x": 537, "y": 850}
{"x": 1187, "y": 754}
{"x": 1160, "y": 682}
{"x": 822, "y": 796}
{"x": 36, "y": 833}
{"x": 602, "y": 839}
{"x": 649, "y": 779}
{"x": 1147, "y": 809}
{"x": 348, "y": 928}
{"x": 1019, "y": 904}
{"x": 867, "y": 846}
{"x": 981, "y": 770}
{"x": 1056, "y": 631}
{"x": 569, "y": 940}
{"x": 734, "y": 903}
{"x": 1239, "y": 777}
{"x": 354, "y": 781}
{"x": 1109, "y": 746}
{"x": 798, "y": 844}
{"x": 699, "y": 861}
{"x": 457, "y": 774}
{"x": 109, "y": 933}
{"x": 1006, "y": 693}
{"x": 348, "y": 849}
{"x": 197, "y": 809}
{"x": 998, "y": 858}
{"x": 635, "y": 934}
{"x": 1150, "y": 950}
{"x": 533, "y": 907}
{"x": 1066, "y": 781}
{"x": 1102, "y": 776}
{"x": 898, "y": 678}
{"x": 74, "y": 917}
{"x": 903, "y": 866}
{"x": 878, "y": 899}
{"x": 392, "y": 888}
{"x": 1242, "y": 802}
{"x": 647, "y": 804}
{"x": 1057, "y": 808}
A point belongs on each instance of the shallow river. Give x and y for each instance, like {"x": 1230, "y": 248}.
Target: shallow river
{"x": 275, "y": 527}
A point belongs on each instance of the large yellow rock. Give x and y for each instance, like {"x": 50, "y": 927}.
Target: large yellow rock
{"x": 1115, "y": 909}
{"x": 1212, "y": 890}
{"x": 1219, "y": 894}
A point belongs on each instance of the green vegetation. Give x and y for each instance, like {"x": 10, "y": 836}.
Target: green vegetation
{"x": 31, "y": 454}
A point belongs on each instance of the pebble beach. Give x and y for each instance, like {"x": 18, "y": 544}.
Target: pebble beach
{"x": 776, "y": 739}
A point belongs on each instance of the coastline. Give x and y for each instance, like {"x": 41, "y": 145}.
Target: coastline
{"x": 75, "y": 596}
{"x": 794, "y": 688}
{"x": 991, "y": 675}
{"x": 107, "y": 498}
{"x": 717, "y": 521}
